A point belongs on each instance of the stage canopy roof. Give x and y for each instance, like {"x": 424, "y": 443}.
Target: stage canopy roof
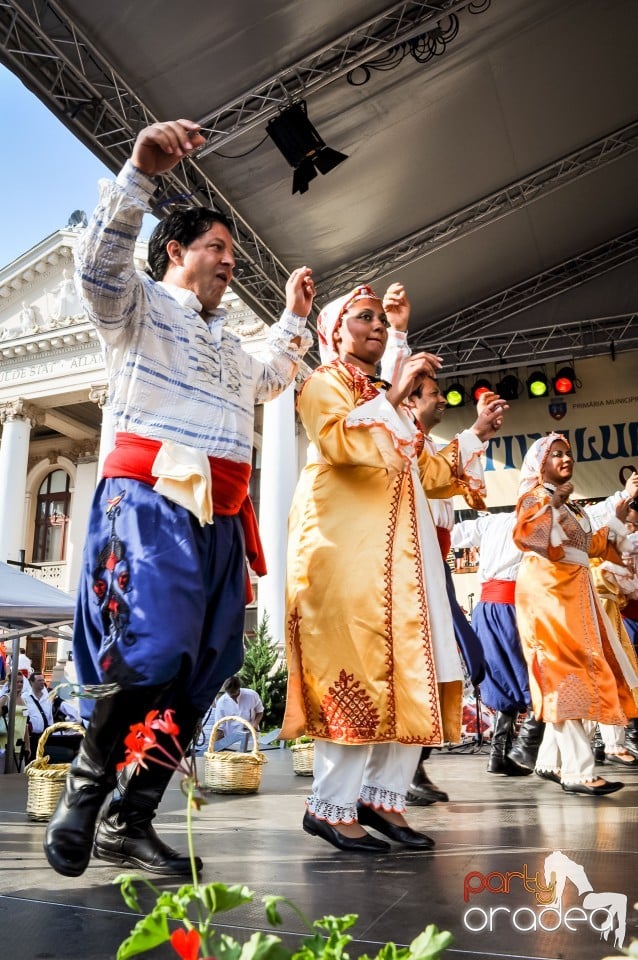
{"x": 492, "y": 162}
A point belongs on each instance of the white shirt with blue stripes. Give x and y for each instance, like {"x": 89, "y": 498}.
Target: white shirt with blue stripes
{"x": 172, "y": 374}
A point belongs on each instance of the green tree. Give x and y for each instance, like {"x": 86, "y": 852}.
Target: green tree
{"x": 264, "y": 672}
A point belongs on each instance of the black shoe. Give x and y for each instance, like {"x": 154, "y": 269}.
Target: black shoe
{"x": 141, "y": 847}
{"x": 369, "y": 817}
{"x": 614, "y": 758}
{"x": 416, "y": 797}
{"x": 422, "y": 791}
{"x": 548, "y": 775}
{"x": 609, "y": 786}
{"x": 325, "y": 830}
{"x": 525, "y": 747}
{"x": 599, "y": 754}
{"x": 498, "y": 760}
{"x": 69, "y": 834}
{"x": 631, "y": 746}
{"x": 506, "y": 766}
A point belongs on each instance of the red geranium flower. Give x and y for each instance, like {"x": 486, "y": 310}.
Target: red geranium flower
{"x": 138, "y": 742}
{"x": 186, "y": 944}
{"x": 163, "y": 722}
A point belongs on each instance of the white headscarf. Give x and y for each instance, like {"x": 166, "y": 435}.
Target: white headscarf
{"x": 329, "y": 320}
{"x": 532, "y": 469}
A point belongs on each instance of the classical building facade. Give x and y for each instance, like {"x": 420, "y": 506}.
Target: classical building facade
{"x": 56, "y": 430}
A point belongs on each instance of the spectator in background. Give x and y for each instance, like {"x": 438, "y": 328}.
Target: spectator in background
{"x": 238, "y": 701}
{"x": 22, "y": 744}
{"x": 40, "y": 706}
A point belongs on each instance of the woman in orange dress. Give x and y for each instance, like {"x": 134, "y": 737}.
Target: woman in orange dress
{"x": 578, "y": 669}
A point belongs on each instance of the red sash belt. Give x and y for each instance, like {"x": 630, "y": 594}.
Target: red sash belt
{"x": 498, "y": 591}
{"x": 444, "y": 536}
{"x": 631, "y": 610}
{"x": 133, "y": 457}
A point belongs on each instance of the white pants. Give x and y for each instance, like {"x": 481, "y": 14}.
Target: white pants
{"x": 566, "y": 749}
{"x": 379, "y": 774}
{"x": 613, "y": 737}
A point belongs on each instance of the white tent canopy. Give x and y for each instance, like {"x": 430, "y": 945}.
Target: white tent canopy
{"x": 23, "y": 598}
{"x": 27, "y": 605}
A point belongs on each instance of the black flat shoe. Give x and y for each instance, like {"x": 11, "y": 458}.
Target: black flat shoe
{"x": 614, "y": 758}
{"x": 548, "y": 775}
{"x": 325, "y": 830}
{"x": 609, "y": 786}
{"x": 369, "y": 817}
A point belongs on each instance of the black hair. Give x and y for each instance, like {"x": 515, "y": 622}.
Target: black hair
{"x": 419, "y": 390}
{"x": 232, "y": 685}
{"x": 185, "y": 226}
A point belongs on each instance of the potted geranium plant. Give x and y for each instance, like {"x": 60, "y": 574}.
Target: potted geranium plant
{"x": 184, "y": 917}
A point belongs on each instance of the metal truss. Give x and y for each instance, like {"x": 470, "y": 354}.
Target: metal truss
{"x": 396, "y": 25}
{"x": 487, "y": 210}
{"x": 42, "y": 46}
{"x": 552, "y": 344}
{"x": 501, "y": 307}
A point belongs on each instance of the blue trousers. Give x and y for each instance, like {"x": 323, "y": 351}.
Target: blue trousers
{"x": 160, "y": 596}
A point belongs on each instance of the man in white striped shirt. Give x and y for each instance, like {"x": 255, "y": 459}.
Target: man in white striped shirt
{"x": 162, "y": 593}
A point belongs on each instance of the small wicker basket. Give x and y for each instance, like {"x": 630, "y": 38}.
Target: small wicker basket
{"x": 228, "y": 771}
{"x": 46, "y": 779}
{"x": 303, "y": 758}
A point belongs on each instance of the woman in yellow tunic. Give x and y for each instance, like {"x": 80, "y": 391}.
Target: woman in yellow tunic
{"x": 578, "y": 670}
{"x": 372, "y": 675}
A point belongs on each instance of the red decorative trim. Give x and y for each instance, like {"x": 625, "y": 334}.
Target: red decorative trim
{"x": 388, "y": 590}
{"x": 422, "y": 601}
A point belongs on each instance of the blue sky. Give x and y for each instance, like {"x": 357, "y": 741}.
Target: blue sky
{"x": 46, "y": 173}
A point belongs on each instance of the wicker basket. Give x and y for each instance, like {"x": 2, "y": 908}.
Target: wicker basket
{"x": 45, "y": 779}
{"x": 303, "y": 758}
{"x": 228, "y": 771}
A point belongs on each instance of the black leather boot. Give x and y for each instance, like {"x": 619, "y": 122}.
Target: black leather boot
{"x": 126, "y": 834}
{"x": 91, "y": 778}
{"x": 631, "y": 737}
{"x": 498, "y": 761}
{"x": 527, "y": 744}
{"x": 422, "y": 792}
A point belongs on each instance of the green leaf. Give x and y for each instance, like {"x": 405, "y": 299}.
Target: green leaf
{"x": 272, "y": 913}
{"x": 336, "y": 924}
{"x": 430, "y": 944}
{"x": 264, "y": 946}
{"x": 147, "y": 934}
{"x": 218, "y": 897}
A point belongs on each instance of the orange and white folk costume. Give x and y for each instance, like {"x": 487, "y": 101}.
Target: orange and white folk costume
{"x": 367, "y": 613}
{"x": 578, "y": 669}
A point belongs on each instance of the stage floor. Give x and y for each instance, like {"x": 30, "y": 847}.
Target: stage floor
{"x": 483, "y": 882}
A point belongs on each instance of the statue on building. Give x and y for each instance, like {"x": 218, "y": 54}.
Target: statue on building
{"x": 67, "y": 301}
{"x": 30, "y": 320}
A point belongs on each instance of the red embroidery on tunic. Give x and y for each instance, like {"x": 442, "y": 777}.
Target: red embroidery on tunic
{"x": 349, "y": 711}
{"x": 422, "y": 601}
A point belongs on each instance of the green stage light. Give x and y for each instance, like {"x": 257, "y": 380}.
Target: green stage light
{"x": 537, "y": 385}
{"x": 455, "y": 395}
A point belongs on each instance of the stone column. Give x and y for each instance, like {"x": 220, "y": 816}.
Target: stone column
{"x": 100, "y": 395}
{"x": 278, "y": 479}
{"x": 85, "y": 483}
{"x": 17, "y": 418}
